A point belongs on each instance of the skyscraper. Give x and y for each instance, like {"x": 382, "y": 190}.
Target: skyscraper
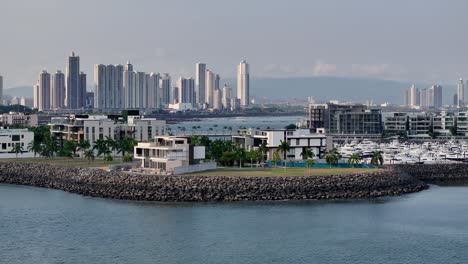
{"x": 200, "y": 83}
{"x": 117, "y": 90}
{"x": 175, "y": 95}
{"x": 227, "y": 95}
{"x": 210, "y": 83}
{"x": 58, "y": 90}
{"x": 186, "y": 90}
{"x": 414, "y": 96}
{"x": 165, "y": 85}
{"x": 128, "y": 86}
{"x": 108, "y": 86}
{"x": 460, "y": 94}
{"x": 141, "y": 90}
{"x": 407, "y": 99}
{"x": 1, "y": 90}
{"x": 42, "y": 92}
{"x": 243, "y": 83}
{"x": 424, "y": 98}
{"x": 36, "y": 95}
{"x": 72, "y": 89}
{"x": 153, "y": 90}
{"x": 435, "y": 96}
{"x": 100, "y": 82}
{"x": 216, "y": 82}
{"x": 82, "y": 90}
{"x": 217, "y": 96}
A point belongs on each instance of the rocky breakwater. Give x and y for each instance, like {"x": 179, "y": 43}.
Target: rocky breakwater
{"x": 118, "y": 185}
{"x": 437, "y": 173}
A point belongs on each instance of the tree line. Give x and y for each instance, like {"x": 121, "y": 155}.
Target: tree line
{"x": 227, "y": 154}
{"x": 45, "y": 145}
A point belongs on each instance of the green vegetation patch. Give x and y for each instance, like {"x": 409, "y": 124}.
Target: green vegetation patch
{"x": 246, "y": 172}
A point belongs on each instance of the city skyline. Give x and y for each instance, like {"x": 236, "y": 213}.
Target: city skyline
{"x": 315, "y": 50}
{"x": 121, "y": 87}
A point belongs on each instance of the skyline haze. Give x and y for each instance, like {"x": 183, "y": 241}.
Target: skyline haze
{"x": 415, "y": 41}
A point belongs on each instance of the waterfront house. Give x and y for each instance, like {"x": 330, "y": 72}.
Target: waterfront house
{"x": 171, "y": 154}
{"x": 297, "y": 139}
{"x": 11, "y": 137}
{"x": 93, "y": 127}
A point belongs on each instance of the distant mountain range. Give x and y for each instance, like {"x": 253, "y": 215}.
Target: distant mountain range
{"x": 322, "y": 88}
{"x": 20, "y": 91}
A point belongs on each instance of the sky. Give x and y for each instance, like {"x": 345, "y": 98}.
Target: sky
{"x": 411, "y": 40}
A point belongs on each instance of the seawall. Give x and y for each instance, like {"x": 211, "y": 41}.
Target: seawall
{"x": 118, "y": 185}
{"x": 437, "y": 173}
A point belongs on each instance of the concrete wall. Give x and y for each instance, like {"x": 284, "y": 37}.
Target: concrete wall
{"x": 195, "y": 168}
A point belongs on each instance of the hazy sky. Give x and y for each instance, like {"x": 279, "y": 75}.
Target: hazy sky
{"x": 417, "y": 40}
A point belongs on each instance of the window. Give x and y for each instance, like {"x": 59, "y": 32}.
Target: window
{"x": 139, "y": 151}
{"x": 15, "y": 138}
{"x": 297, "y": 142}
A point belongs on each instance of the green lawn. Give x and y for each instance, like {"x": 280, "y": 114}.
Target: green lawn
{"x": 66, "y": 162}
{"x": 282, "y": 172}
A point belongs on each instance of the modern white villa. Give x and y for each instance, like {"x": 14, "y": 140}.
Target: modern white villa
{"x": 94, "y": 127}
{"x": 297, "y": 139}
{"x": 11, "y": 137}
{"x": 171, "y": 155}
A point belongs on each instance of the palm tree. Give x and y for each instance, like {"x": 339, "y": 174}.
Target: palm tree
{"x": 17, "y": 149}
{"x": 112, "y": 145}
{"x": 283, "y": 148}
{"x": 240, "y": 155}
{"x": 355, "y": 159}
{"x": 125, "y": 145}
{"x": 127, "y": 158}
{"x": 108, "y": 157}
{"x": 307, "y": 153}
{"x": 89, "y": 155}
{"x": 263, "y": 149}
{"x": 331, "y": 157}
{"x": 309, "y": 163}
{"x": 49, "y": 148}
{"x": 83, "y": 145}
{"x": 101, "y": 147}
{"x": 377, "y": 158}
{"x": 253, "y": 155}
{"x": 35, "y": 146}
{"x": 69, "y": 148}
{"x": 276, "y": 158}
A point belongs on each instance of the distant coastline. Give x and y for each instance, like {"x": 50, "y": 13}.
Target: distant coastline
{"x": 195, "y": 116}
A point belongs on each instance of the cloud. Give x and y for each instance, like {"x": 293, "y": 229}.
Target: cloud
{"x": 322, "y": 69}
{"x": 369, "y": 69}
{"x": 278, "y": 70}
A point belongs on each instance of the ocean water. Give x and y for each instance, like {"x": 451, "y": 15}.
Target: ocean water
{"x": 48, "y": 226}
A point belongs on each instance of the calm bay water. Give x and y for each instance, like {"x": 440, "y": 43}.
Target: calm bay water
{"x": 221, "y": 125}
{"x": 48, "y": 226}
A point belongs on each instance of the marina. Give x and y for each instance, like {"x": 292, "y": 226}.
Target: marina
{"x": 396, "y": 152}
